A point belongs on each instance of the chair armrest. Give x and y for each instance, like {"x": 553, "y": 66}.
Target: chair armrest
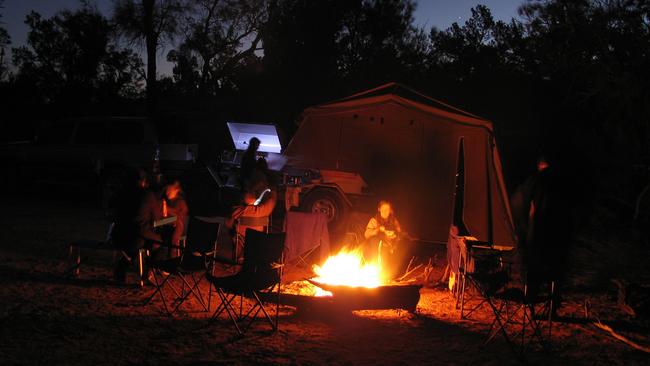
{"x": 222, "y": 260}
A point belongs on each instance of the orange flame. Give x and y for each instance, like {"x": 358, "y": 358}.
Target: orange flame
{"x": 347, "y": 268}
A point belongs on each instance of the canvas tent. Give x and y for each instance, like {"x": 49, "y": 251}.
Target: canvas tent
{"x": 407, "y": 147}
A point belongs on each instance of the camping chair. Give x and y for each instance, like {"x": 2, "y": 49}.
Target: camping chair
{"x": 196, "y": 258}
{"x": 306, "y": 232}
{"x": 481, "y": 274}
{"x": 261, "y": 272}
{"x": 520, "y": 314}
{"x": 247, "y": 221}
{"x": 75, "y": 260}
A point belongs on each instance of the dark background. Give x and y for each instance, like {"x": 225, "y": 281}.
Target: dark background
{"x": 565, "y": 78}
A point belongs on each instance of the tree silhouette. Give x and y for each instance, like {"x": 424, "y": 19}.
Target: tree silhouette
{"x": 70, "y": 58}
{"x": 317, "y": 51}
{"x": 5, "y": 41}
{"x": 219, "y": 35}
{"x": 378, "y": 42}
{"x": 152, "y": 23}
{"x": 595, "y": 55}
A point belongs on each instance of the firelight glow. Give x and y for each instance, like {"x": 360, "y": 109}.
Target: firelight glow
{"x": 347, "y": 269}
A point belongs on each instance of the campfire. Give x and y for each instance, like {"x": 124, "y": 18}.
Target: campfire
{"x": 348, "y": 268}
{"x": 347, "y": 281}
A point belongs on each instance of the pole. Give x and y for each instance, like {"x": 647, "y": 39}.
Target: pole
{"x": 490, "y": 232}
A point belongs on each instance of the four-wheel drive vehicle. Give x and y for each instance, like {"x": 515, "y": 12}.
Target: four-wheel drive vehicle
{"x": 91, "y": 152}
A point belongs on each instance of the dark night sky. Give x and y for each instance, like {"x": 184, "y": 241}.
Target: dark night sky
{"x": 438, "y": 13}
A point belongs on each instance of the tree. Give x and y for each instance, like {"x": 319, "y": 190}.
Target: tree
{"x": 378, "y": 42}
{"x": 594, "y": 53}
{"x": 5, "y": 41}
{"x": 222, "y": 33}
{"x": 152, "y": 23}
{"x": 71, "y": 57}
{"x": 317, "y": 50}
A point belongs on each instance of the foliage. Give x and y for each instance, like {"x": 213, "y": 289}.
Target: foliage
{"x": 219, "y": 36}
{"x": 71, "y": 56}
{"x": 5, "y": 41}
{"x": 152, "y": 23}
{"x": 565, "y": 73}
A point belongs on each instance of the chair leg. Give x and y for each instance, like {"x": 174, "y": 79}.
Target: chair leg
{"x": 502, "y": 325}
{"x": 141, "y": 254}
{"x": 551, "y": 309}
{"x": 192, "y": 290}
{"x": 226, "y": 305}
{"x": 75, "y": 260}
{"x": 260, "y": 307}
{"x": 462, "y": 294}
{"x": 277, "y": 308}
{"x": 159, "y": 287}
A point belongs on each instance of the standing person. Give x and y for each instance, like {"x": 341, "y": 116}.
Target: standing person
{"x": 542, "y": 215}
{"x": 248, "y": 162}
{"x": 382, "y": 238}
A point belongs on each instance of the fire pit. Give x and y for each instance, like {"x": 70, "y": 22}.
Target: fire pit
{"x": 346, "y": 282}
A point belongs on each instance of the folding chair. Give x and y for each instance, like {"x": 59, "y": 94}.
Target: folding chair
{"x": 481, "y": 274}
{"x": 520, "y": 314}
{"x": 260, "y": 274}
{"x": 306, "y": 232}
{"x": 247, "y": 221}
{"x": 76, "y": 260}
{"x": 197, "y": 258}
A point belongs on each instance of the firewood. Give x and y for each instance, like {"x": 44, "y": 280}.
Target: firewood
{"x": 406, "y": 275}
{"x": 621, "y": 338}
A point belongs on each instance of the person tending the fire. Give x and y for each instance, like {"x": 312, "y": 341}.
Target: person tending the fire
{"x": 382, "y": 237}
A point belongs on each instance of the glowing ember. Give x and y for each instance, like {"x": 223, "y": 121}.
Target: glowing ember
{"x": 347, "y": 268}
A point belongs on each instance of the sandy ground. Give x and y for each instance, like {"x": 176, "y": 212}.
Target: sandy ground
{"x": 48, "y": 319}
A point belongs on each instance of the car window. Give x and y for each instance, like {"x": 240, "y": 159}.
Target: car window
{"x": 91, "y": 133}
{"x": 125, "y": 132}
{"x": 56, "y": 133}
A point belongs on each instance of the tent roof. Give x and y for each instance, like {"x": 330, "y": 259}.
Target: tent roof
{"x": 404, "y": 96}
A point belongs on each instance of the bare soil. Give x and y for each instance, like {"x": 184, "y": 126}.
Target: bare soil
{"x": 48, "y": 319}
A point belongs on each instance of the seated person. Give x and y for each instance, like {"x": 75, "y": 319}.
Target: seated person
{"x": 383, "y": 239}
{"x": 260, "y": 206}
{"x": 252, "y": 208}
{"x": 260, "y": 196}
{"x": 137, "y": 210}
{"x": 126, "y": 232}
{"x": 176, "y": 205}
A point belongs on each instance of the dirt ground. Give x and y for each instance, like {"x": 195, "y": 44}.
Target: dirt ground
{"x": 48, "y": 319}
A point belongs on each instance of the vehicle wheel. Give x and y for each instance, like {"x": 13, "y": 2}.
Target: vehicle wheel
{"x": 329, "y": 203}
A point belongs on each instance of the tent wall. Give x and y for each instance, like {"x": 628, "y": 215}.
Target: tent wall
{"x": 408, "y": 156}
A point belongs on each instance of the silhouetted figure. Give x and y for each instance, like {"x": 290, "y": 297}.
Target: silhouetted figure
{"x": 542, "y": 212}
{"x": 126, "y": 231}
{"x": 248, "y": 163}
{"x": 137, "y": 211}
{"x": 259, "y": 179}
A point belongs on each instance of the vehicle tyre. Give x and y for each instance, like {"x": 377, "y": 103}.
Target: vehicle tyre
{"x": 328, "y": 202}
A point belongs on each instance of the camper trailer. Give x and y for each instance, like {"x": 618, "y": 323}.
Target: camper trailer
{"x": 439, "y": 165}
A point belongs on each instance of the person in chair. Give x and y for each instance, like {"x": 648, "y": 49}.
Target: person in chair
{"x": 382, "y": 235}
